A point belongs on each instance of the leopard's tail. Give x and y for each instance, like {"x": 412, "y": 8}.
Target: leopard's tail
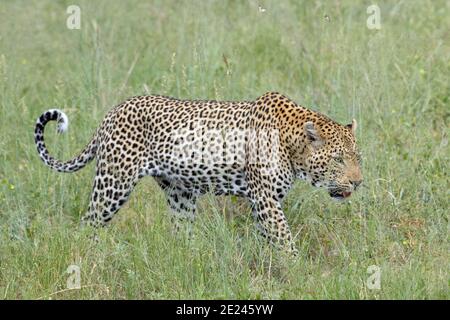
{"x": 76, "y": 163}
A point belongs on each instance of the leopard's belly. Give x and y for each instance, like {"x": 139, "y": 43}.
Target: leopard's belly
{"x": 218, "y": 179}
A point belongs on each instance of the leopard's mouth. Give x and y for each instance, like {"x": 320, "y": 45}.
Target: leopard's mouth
{"x": 340, "y": 195}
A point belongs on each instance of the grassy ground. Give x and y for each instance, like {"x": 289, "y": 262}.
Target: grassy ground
{"x": 394, "y": 81}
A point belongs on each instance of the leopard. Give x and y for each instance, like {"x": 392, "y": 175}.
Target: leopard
{"x": 254, "y": 149}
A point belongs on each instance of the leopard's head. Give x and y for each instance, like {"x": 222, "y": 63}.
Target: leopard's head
{"x": 330, "y": 157}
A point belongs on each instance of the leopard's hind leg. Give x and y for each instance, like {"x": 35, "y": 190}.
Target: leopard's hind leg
{"x": 182, "y": 204}
{"x": 113, "y": 184}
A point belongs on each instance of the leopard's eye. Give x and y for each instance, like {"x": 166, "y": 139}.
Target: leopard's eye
{"x": 339, "y": 159}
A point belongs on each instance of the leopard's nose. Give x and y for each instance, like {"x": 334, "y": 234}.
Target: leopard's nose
{"x": 356, "y": 183}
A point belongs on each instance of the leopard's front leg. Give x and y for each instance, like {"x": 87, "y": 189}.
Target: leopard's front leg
{"x": 272, "y": 224}
{"x": 265, "y": 199}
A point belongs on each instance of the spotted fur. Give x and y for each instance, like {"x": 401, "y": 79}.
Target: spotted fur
{"x": 254, "y": 149}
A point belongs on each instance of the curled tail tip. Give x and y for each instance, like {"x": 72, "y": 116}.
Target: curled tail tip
{"x": 63, "y": 122}
{"x": 62, "y": 119}
{"x": 55, "y": 114}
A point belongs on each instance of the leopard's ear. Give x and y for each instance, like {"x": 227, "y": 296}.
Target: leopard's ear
{"x": 313, "y": 135}
{"x": 353, "y": 126}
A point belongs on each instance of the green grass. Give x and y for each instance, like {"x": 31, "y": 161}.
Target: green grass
{"x": 394, "y": 81}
